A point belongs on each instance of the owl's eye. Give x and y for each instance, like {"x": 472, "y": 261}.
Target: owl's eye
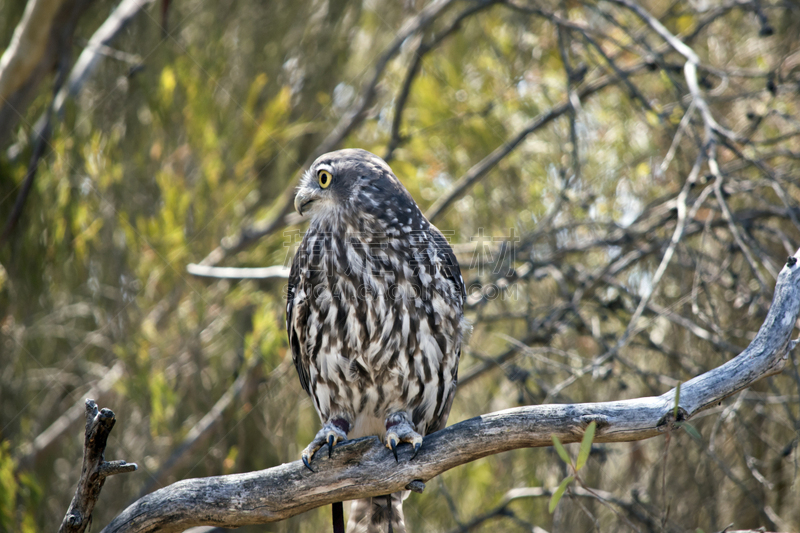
{"x": 324, "y": 178}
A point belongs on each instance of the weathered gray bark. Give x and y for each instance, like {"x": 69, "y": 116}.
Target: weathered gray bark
{"x": 96, "y": 469}
{"x": 365, "y": 468}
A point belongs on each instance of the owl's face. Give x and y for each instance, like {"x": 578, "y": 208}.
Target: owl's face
{"x": 352, "y": 180}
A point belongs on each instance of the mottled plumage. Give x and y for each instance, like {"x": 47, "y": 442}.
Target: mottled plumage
{"x": 374, "y": 312}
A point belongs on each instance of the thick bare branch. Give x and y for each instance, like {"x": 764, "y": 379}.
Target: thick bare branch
{"x": 365, "y": 468}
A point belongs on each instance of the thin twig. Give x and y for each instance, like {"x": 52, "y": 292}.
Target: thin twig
{"x": 482, "y": 168}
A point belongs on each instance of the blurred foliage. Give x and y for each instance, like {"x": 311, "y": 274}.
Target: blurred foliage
{"x": 152, "y": 167}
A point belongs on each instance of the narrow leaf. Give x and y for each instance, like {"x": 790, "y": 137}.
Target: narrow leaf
{"x": 561, "y": 451}
{"x": 556, "y": 497}
{"x": 586, "y": 446}
{"x": 692, "y": 431}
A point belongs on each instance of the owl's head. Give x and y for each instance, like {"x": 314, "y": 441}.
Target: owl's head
{"x": 350, "y": 182}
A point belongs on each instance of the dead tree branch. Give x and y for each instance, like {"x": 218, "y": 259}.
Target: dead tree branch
{"x": 365, "y": 468}
{"x": 96, "y": 469}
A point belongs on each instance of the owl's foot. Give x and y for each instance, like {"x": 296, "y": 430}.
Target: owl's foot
{"x": 332, "y": 432}
{"x": 400, "y": 429}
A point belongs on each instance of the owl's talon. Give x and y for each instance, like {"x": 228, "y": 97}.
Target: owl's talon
{"x": 305, "y": 462}
{"x": 399, "y": 429}
{"x": 332, "y": 432}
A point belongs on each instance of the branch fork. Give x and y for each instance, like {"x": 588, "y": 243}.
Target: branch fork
{"x": 99, "y": 423}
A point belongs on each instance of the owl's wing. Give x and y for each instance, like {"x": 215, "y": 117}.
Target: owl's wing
{"x": 452, "y": 272}
{"x": 296, "y": 313}
{"x": 441, "y": 421}
{"x": 451, "y": 269}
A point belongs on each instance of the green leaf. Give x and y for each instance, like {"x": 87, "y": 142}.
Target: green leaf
{"x": 561, "y": 451}
{"x": 556, "y": 497}
{"x": 692, "y": 431}
{"x": 586, "y": 446}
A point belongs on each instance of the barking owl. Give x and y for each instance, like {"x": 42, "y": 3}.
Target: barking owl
{"x": 374, "y": 313}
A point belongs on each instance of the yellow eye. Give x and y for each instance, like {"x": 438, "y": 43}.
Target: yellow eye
{"x": 324, "y": 178}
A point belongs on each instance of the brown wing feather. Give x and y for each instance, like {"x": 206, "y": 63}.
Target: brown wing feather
{"x": 453, "y": 272}
{"x": 295, "y": 343}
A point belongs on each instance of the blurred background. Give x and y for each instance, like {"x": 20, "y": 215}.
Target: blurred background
{"x": 561, "y": 146}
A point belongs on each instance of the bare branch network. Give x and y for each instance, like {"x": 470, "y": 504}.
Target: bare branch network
{"x": 365, "y": 468}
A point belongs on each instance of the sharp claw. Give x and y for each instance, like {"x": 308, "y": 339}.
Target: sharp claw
{"x": 417, "y": 446}
{"x": 330, "y": 445}
{"x": 305, "y": 462}
{"x": 393, "y": 445}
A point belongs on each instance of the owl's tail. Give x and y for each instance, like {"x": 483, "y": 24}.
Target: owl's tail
{"x": 382, "y": 514}
{"x": 338, "y": 517}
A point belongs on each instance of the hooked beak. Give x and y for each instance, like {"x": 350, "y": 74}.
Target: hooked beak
{"x": 303, "y": 199}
